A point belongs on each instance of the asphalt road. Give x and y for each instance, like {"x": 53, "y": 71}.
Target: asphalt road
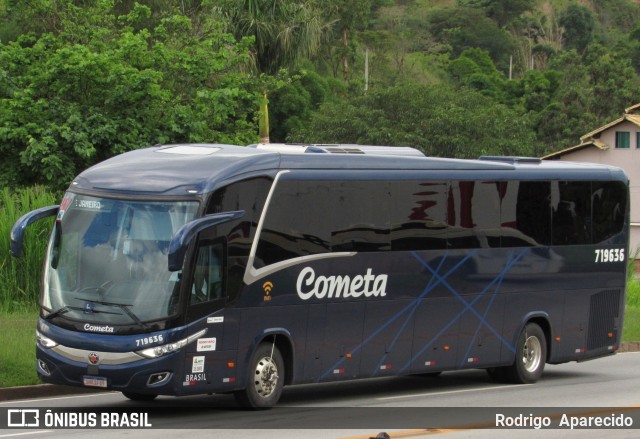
{"x": 457, "y": 404}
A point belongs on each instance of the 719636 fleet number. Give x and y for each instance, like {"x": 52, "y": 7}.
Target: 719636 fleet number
{"x": 148, "y": 340}
{"x": 606, "y": 255}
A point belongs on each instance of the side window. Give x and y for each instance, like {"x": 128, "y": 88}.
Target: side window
{"x": 248, "y": 195}
{"x": 571, "y": 212}
{"x": 532, "y": 209}
{"x": 473, "y": 214}
{"x": 298, "y": 222}
{"x": 362, "y": 222}
{"x": 208, "y": 275}
{"x": 609, "y": 200}
{"x": 418, "y": 215}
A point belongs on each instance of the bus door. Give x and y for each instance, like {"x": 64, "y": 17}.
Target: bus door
{"x": 210, "y": 361}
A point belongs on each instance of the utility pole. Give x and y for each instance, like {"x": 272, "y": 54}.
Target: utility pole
{"x": 366, "y": 69}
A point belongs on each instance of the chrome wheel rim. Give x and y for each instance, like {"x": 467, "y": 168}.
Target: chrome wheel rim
{"x": 531, "y": 354}
{"x": 266, "y": 377}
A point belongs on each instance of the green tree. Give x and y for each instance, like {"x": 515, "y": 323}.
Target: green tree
{"x": 284, "y": 31}
{"x": 466, "y": 28}
{"x": 569, "y": 115}
{"x": 349, "y": 16}
{"x": 616, "y": 16}
{"x": 591, "y": 91}
{"x": 99, "y": 88}
{"x": 439, "y": 120}
{"x": 615, "y": 84}
{"x": 396, "y": 42}
{"x": 501, "y": 11}
{"x": 539, "y": 89}
{"x": 292, "y": 105}
{"x": 578, "y": 23}
{"x": 634, "y": 48}
{"x": 474, "y": 68}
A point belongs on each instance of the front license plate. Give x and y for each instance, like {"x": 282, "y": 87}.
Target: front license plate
{"x": 95, "y": 381}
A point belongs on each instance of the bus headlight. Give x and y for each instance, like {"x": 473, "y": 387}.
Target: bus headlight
{"x": 159, "y": 351}
{"x": 45, "y": 342}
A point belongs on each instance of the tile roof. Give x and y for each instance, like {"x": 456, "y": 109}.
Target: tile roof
{"x": 589, "y": 139}
{"x": 633, "y": 118}
{"x": 632, "y": 109}
{"x": 591, "y": 142}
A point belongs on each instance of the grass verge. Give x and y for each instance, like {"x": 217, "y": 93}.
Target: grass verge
{"x": 18, "y": 349}
{"x": 20, "y": 278}
{"x": 631, "y": 326}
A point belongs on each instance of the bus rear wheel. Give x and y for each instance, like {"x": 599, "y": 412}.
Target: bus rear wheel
{"x": 531, "y": 356}
{"x": 498, "y": 374}
{"x": 265, "y": 380}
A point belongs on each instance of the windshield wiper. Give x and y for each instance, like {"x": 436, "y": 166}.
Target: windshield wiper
{"x": 64, "y": 309}
{"x": 60, "y": 311}
{"x": 123, "y": 307}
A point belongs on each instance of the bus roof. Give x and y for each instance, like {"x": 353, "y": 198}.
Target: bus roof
{"x": 183, "y": 169}
{"x": 333, "y": 148}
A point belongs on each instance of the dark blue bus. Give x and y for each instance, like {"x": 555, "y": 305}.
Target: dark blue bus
{"x": 192, "y": 269}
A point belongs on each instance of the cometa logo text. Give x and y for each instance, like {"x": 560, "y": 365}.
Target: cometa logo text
{"x": 327, "y": 287}
{"x": 95, "y": 328}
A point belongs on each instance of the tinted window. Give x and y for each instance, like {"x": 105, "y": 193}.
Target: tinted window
{"x": 298, "y": 221}
{"x": 315, "y": 216}
{"x": 207, "y": 292}
{"x": 473, "y": 215}
{"x": 532, "y": 221}
{"x": 571, "y": 212}
{"x": 248, "y": 195}
{"x": 360, "y": 220}
{"x": 418, "y": 215}
{"x": 208, "y": 275}
{"x": 609, "y": 200}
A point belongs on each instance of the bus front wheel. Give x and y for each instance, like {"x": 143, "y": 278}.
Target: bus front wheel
{"x": 265, "y": 380}
{"x": 531, "y": 356}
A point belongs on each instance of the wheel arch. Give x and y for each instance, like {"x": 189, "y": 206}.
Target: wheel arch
{"x": 284, "y": 343}
{"x": 541, "y": 319}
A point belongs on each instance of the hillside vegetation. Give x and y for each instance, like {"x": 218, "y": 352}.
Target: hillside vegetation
{"x": 82, "y": 80}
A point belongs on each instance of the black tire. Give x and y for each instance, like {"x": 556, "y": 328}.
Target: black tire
{"x": 139, "y": 396}
{"x": 429, "y": 374}
{"x": 497, "y": 374}
{"x": 531, "y": 356}
{"x": 265, "y": 379}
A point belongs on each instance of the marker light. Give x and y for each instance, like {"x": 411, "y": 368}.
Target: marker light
{"x": 159, "y": 351}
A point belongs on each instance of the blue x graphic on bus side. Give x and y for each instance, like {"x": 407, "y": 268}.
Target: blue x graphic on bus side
{"x": 435, "y": 280}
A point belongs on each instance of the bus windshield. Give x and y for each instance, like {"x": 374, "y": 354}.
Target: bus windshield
{"x": 107, "y": 260}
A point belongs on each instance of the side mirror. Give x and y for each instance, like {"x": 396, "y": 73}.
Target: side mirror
{"x": 186, "y": 233}
{"x": 17, "y": 232}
